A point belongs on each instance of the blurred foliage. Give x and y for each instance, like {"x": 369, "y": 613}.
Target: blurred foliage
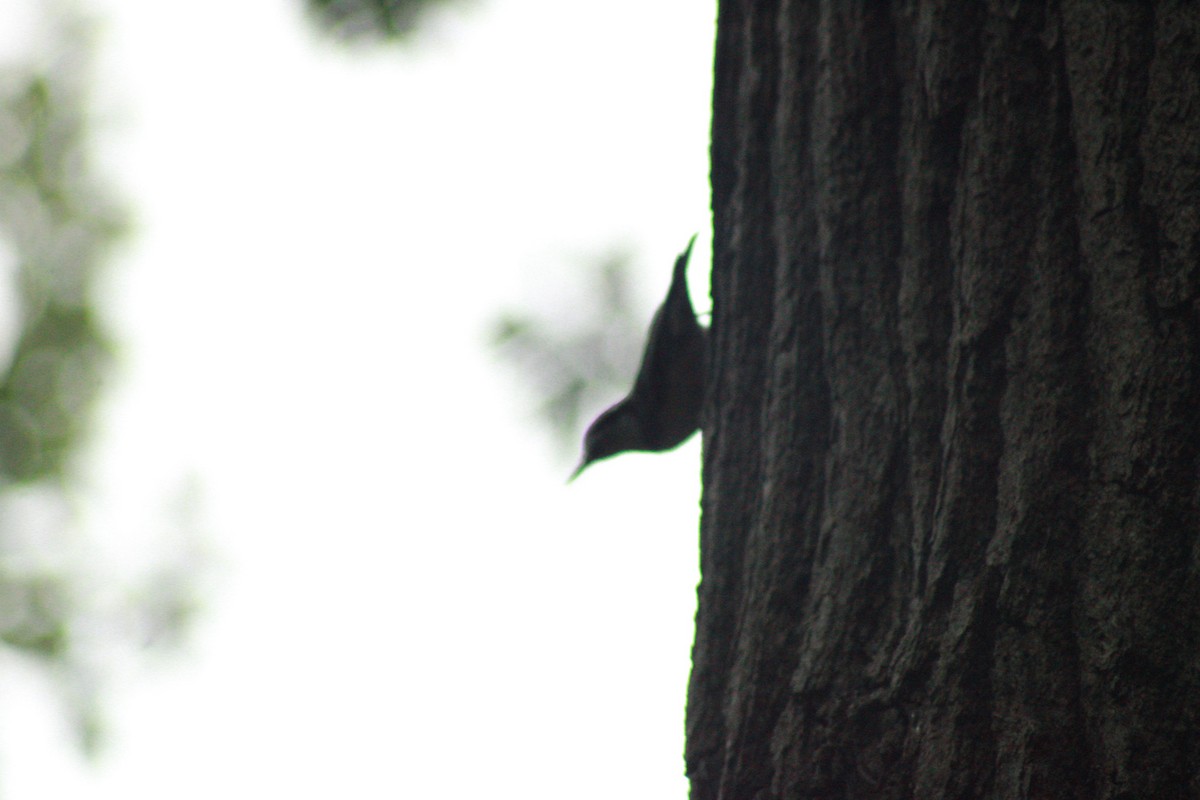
{"x": 355, "y": 20}
{"x": 581, "y": 366}
{"x": 59, "y": 220}
{"x": 59, "y": 223}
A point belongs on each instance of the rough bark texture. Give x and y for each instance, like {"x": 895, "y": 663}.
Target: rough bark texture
{"x": 952, "y": 442}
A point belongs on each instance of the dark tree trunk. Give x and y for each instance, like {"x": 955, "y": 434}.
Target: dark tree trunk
{"x": 952, "y": 443}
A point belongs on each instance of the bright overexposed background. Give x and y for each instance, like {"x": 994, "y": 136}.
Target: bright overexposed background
{"x": 407, "y": 602}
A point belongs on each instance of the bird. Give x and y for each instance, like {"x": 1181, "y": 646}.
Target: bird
{"x": 662, "y": 410}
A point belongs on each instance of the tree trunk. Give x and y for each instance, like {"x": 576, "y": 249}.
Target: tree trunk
{"x": 952, "y": 440}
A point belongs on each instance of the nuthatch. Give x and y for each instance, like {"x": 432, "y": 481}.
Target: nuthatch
{"x": 663, "y": 408}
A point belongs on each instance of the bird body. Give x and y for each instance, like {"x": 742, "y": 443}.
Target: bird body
{"x": 663, "y": 408}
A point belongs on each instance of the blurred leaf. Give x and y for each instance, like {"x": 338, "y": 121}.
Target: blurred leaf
{"x": 356, "y": 20}
{"x": 32, "y": 612}
{"x": 58, "y": 222}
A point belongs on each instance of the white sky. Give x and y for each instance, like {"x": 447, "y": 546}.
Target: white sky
{"x": 410, "y": 603}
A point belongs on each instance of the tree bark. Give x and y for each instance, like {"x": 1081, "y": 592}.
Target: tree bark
{"x": 952, "y": 439}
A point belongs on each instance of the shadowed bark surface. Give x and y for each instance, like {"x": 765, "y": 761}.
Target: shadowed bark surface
{"x": 952, "y": 441}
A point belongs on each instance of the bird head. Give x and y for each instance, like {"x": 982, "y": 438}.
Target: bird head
{"x": 614, "y": 431}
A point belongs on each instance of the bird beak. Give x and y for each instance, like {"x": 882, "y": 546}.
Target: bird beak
{"x": 582, "y": 463}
